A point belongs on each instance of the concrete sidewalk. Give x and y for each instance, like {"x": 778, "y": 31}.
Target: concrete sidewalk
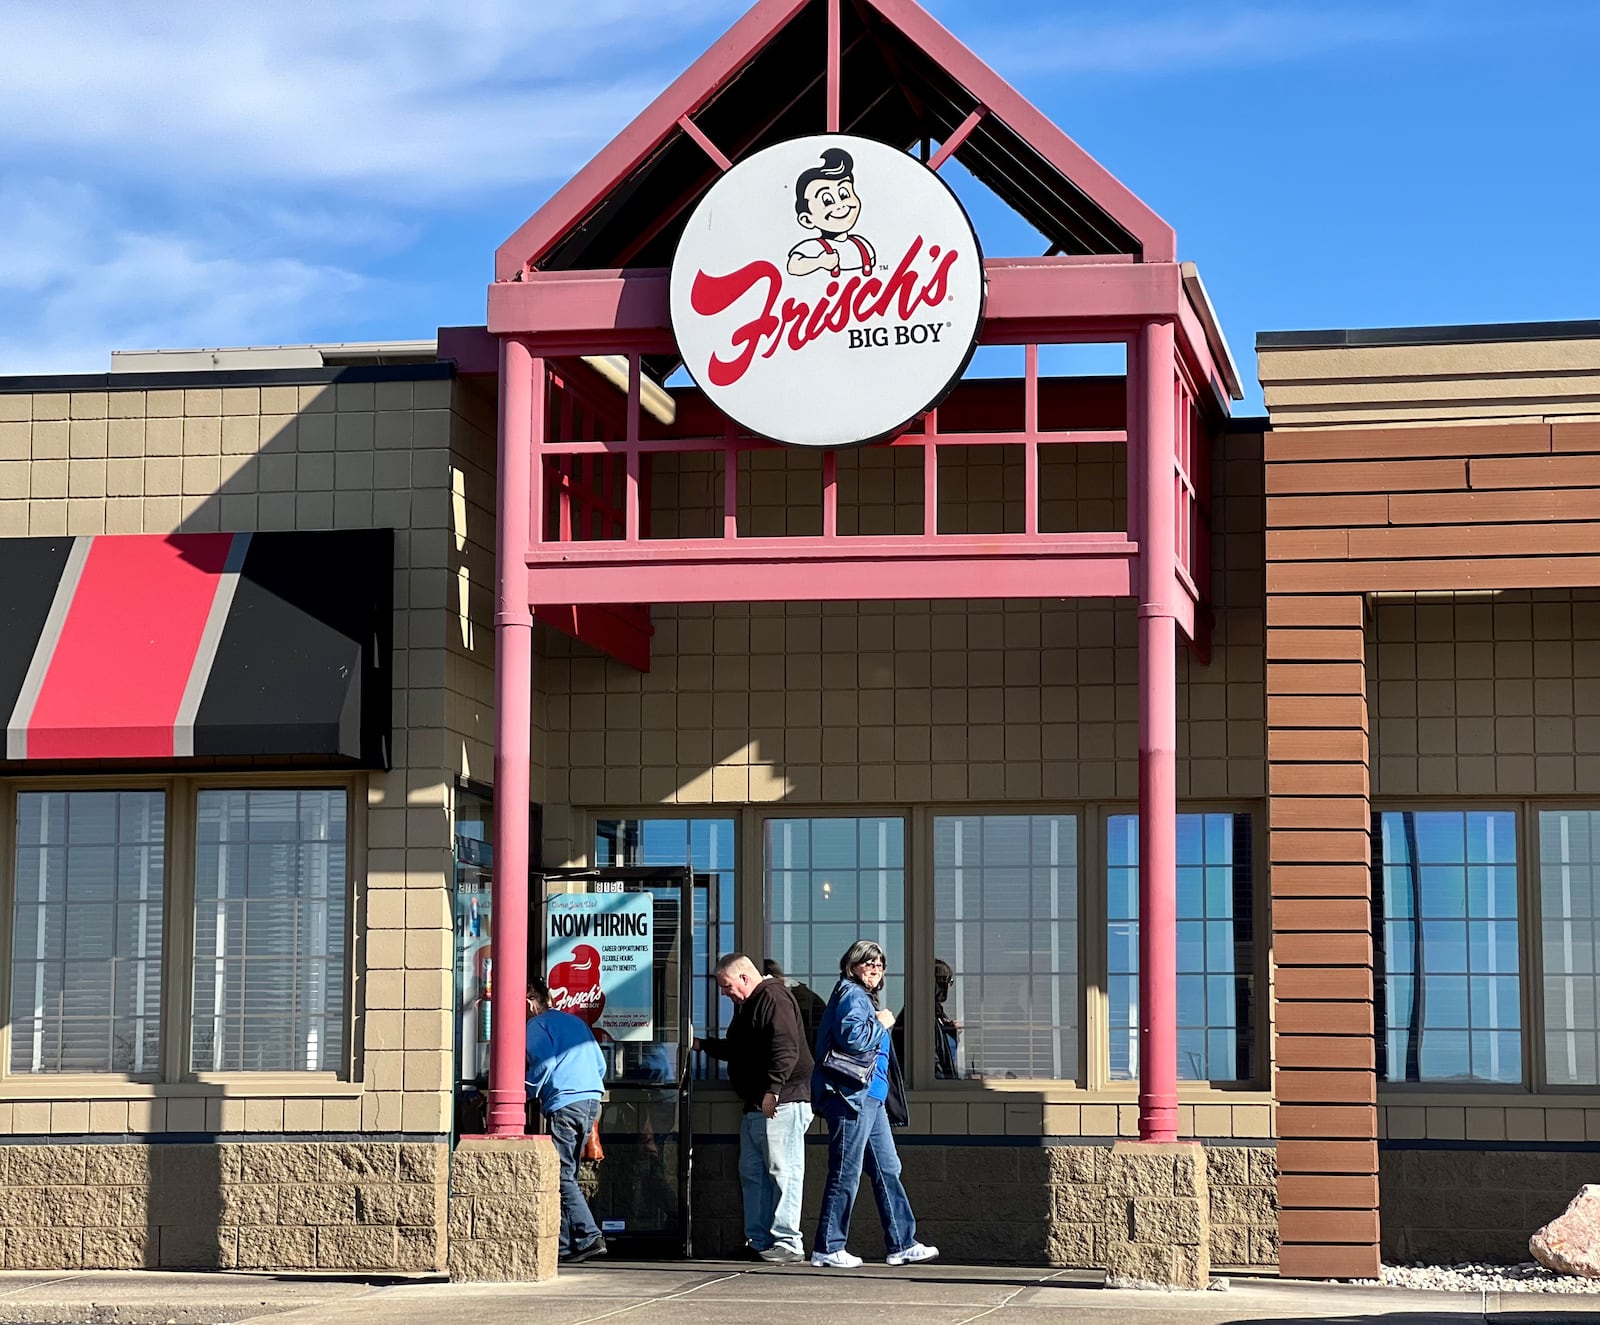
{"x": 717, "y": 1293}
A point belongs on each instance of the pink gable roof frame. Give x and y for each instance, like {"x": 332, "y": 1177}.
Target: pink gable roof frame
{"x": 700, "y": 82}
{"x": 564, "y": 537}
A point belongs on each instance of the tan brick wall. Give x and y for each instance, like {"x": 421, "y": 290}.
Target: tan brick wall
{"x": 882, "y": 703}
{"x": 283, "y": 458}
{"x": 1387, "y": 384}
{"x": 905, "y": 702}
{"x": 1488, "y": 696}
{"x": 1493, "y": 695}
{"x": 982, "y": 1112}
{"x": 469, "y": 630}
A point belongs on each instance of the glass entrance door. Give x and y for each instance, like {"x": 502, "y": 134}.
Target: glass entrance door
{"x": 616, "y": 948}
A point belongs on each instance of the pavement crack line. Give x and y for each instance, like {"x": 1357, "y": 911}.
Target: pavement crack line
{"x": 655, "y": 1301}
{"x": 49, "y": 1283}
{"x": 1010, "y": 1297}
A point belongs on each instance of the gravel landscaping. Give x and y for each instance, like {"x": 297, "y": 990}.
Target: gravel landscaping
{"x": 1469, "y": 1277}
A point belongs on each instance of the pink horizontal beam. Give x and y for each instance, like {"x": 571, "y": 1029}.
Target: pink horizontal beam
{"x": 604, "y": 313}
{"x": 849, "y": 575}
{"x": 690, "y": 445}
{"x": 1056, "y": 546}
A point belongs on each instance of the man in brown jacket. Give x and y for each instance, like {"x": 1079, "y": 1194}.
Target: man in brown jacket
{"x": 769, "y": 1064}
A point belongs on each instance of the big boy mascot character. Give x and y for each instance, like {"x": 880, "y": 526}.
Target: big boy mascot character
{"x": 825, "y": 201}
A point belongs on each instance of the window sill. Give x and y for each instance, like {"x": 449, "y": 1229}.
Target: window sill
{"x": 220, "y": 1086}
{"x": 1481, "y": 1097}
{"x": 1066, "y": 1092}
{"x": 1047, "y": 1092}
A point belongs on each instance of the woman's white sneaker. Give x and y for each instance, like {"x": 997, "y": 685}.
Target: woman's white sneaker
{"x": 838, "y": 1260}
{"x": 910, "y": 1256}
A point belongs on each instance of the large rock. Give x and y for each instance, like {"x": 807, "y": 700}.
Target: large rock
{"x": 1570, "y": 1244}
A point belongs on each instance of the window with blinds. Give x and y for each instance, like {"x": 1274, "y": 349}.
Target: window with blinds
{"x": 1449, "y": 1000}
{"x": 1006, "y": 922}
{"x": 830, "y": 882}
{"x": 86, "y": 931}
{"x": 1216, "y": 961}
{"x": 269, "y": 931}
{"x": 1569, "y": 888}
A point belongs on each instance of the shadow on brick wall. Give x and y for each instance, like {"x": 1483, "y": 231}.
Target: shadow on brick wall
{"x": 190, "y": 1224}
{"x": 153, "y": 455}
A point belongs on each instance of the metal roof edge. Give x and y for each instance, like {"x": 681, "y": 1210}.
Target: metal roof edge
{"x": 226, "y": 377}
{"x": 1466, "y": 334}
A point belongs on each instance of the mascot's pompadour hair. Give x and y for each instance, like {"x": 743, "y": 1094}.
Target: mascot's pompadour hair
{"x": 836, "y": 164}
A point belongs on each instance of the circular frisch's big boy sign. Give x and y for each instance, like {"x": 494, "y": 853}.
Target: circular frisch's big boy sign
{"x": 827, "y": 290}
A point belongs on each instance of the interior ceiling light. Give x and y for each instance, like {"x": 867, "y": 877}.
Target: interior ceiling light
{"x": 655, "y": 398}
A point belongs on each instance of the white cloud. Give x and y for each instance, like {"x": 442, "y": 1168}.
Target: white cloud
{"x": 416, "y": 100}
{"x": 77, "y": 286}
{"x": 179, "y": 173}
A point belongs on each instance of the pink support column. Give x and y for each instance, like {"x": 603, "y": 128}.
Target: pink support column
{"x": 522, "y": 405}
{"x": 1158, "y": 747}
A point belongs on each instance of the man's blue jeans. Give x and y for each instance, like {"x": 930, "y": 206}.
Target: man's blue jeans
{"x": 569, "y": 1128}
{"x": 772, "y": 1171}
{"x": 854, "y": 1140}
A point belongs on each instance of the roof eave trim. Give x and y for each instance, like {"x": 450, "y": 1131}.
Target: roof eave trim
{"x": 1195, "y": 288}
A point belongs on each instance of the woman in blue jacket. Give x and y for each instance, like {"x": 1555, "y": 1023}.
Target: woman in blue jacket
{"x": 857, "y": 1116}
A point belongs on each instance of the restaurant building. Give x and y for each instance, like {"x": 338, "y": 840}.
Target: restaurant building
{"x": 1242, "y": 772}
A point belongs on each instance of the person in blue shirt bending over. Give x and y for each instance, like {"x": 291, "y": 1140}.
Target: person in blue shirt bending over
{"x": 566, "y": 1075}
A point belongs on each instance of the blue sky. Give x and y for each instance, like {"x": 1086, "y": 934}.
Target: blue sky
{"x": 179, "y": 173}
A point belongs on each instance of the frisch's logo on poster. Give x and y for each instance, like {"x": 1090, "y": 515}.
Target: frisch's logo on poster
{"x": 827, "y": 290}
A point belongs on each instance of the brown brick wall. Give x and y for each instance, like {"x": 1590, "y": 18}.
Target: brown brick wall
{"x": 1353, "y": 512}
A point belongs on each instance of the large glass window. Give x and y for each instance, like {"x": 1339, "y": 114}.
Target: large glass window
{"x": 86, "y": 931}
{"x": 1006, "y": 926}
{"x": 1216, "y": 965}
{"x": 707, "y": 846}
{"x": 830, "y": 882}
{"x": 1450, "y": 996}
{"x": 269, "y": 931}
{"x": 1569, "y": 874}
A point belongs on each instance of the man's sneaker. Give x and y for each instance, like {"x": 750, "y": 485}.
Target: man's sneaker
{"x": 835, "y": 1260}
{"x": 588, "y": 1251}
{"x": 781, "y": 1255}
{"x": 912, "y": 1255}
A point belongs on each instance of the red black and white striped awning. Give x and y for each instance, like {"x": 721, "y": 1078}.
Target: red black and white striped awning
{"x": 161, "y": 646}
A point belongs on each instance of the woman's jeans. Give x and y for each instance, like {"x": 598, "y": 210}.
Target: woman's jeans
{"x": 569, "y": 1129}
{"x": 854, "y": 1140}
{"x": 772, "y": 1170}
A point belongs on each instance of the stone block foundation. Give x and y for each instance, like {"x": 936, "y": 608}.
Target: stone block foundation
{"x": 1006, "y": 1204}
{"x": 1157, "y": 1215}
{"x": 356, "y": 1206}
{"x": 1448, "y": 1205}
{"x": 505, "y": 1209}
